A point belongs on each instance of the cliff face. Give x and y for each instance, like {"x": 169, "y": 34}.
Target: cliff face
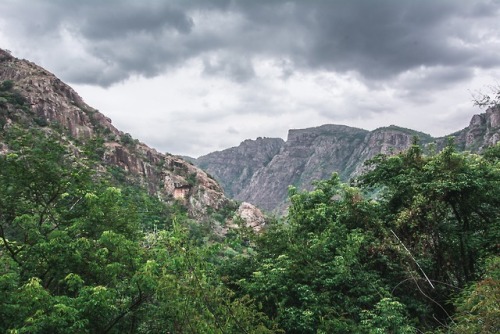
{"x": 303, "y": 158}
{"x": 483, "y": 131}
{"x": 315, "y": 153}
{"x": 52, "y": 103}
{"x": 235, "y": 167}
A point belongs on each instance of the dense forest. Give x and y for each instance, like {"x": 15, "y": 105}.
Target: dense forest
{"x": 411, "y": 246}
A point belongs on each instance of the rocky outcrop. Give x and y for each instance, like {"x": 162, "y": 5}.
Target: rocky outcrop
{"x": 53, "y": 104}
{"x": 248, "y": 216}
{"x": 315, "y": 153}
{"x": 385, "y": 140}
{"x": 307, "y": 155}
{"x": 251, "y": 216}
{"x": 483, "y": 131}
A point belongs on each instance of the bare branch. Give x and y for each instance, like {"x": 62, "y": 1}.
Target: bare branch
{"x": 427, "y": 278}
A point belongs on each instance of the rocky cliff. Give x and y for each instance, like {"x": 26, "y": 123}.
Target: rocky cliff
{"x": 235, "y": 166}
{"x": 52, "y": 104}
{"x": 483, "y": 131}
{"x": 315, "y": 153}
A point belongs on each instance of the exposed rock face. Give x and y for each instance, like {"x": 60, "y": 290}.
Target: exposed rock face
{"x": 315, "y": 153}
{"x": 53, "y": 103}
{"x": 302, "y": 159}
{"x": 386, "y": 140}
{"x": 234, "y": 167}
{"x": 252, "y": 216}
{"x": 483, "y": 131}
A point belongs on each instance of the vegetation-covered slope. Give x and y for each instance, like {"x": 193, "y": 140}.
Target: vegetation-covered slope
{"x": 79, "y": 255}
{"x": 35, "y": 98}
{"x": 421, "y": 255}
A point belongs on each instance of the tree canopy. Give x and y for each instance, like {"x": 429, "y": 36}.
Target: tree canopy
{"x": 411, "y": 246}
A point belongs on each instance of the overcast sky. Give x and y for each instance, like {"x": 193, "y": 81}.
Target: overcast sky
{"x": 191, "y": 77}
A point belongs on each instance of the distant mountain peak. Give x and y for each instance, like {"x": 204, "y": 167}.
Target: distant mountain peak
{"x": 315, "y": 153}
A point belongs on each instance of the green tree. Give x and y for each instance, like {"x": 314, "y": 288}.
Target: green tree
{"x": 189, "y": 296}
{"x": 318, "y": 273}
{"x": 478, "y": 308}
{"x": 71, "y": 243}
{"x": 73, "y": 258}
{"x": 443, "y": 212}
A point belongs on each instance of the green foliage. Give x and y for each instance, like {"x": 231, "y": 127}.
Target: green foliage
{"x": 492, "y": 154}
{"x": 390, "y": 261}
{"x": 73, "y": 259}
{"x": 413, "y": 249}
{"x": 478, "y": 305}
{"x": 189, "y": 297}
{"x": 315, "y": 274}
{"x": 445, "y": 211}
{"x": 10, "y": 100}
{"x": 386, "y": 317}
{"x": 191, "y": 179}
{"x": 9, "y": 94}
{"x": 118, "y": 174}
{"x": 41, "y": 121}
{"x": 6, "y": 85}
{"x": 127, "y": 140}
{"x": 94, "y": 149}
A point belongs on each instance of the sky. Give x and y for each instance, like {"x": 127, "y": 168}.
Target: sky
{"x": 189, "y": 77}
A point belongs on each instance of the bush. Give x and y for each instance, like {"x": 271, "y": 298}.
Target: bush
{"x": 6, "y": 85}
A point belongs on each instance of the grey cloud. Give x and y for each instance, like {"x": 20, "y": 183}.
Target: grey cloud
{"x": 383, "y": 38}
{"x": 236, "y": 68}
{"x": 115, "y": 21}
{"x": 417, "y": 88}
{"x": 377, "y": 39}
{"x": 102, "y": 75}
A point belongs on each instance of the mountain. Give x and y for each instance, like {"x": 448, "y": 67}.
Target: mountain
{"x": 236, "y": 166}
{"x": 483, "y": 131}
{"x": 260, "y": 171}
{"x": 32, "y": 97}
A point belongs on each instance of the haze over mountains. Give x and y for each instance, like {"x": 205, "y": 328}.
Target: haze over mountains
{"x": 260, "y": 171}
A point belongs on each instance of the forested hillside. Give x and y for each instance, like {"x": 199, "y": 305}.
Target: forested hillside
{"x": 412, "y": 248}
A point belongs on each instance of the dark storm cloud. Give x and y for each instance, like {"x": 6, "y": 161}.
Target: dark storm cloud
{"x": 377, "y": 39}
{"x": 115, "y": 21}
{"x": 382, "y": 38}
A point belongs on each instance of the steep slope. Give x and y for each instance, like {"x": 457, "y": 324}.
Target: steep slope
{"x": 386, "y": 140}
{"x": 303, "y": 158}
{"x": 483, "y": 131}
{"x": 314, "y": 153}
{"x": 47, "y": 102}
{"x": 235, "y": 166}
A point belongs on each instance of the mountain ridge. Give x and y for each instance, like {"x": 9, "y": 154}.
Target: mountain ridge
{"x": 315, "y": 153}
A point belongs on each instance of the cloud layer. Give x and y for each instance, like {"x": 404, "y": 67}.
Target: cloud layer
{"x": 254, "y": 61}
